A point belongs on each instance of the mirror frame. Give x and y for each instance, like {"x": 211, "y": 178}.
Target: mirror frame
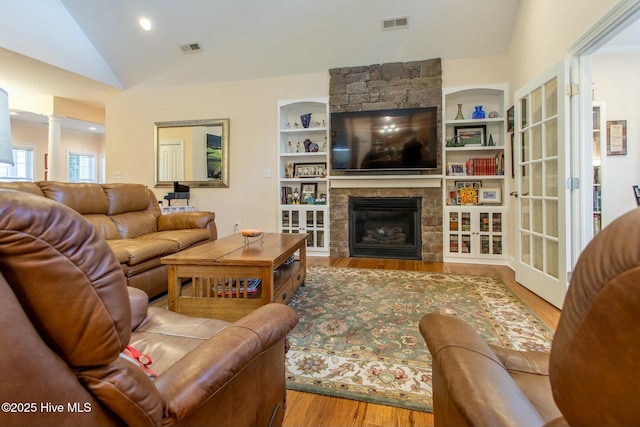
{"x": 224, "y": 182}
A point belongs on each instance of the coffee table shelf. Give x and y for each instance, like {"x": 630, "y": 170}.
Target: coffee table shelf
{"x": 217, "y": 268}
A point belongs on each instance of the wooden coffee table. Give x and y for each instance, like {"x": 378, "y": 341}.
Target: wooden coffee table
{"x": 220, "y": 271}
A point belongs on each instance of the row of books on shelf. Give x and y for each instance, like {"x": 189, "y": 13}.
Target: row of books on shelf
{"x": 484, "y": 166}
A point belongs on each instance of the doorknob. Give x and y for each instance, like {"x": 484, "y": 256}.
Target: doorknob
{"x": 514, "y": 194}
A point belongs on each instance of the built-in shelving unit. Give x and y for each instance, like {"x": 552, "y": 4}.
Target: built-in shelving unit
{"x": 599, "y": 137}
{"x": 474, "y": 186}
{"x": 303, "y": 171}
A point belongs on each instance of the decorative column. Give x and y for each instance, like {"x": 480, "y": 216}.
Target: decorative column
{"x": 55, "y": 162}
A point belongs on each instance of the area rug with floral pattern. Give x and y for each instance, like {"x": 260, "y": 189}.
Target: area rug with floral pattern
{"x": 358, "y": 335}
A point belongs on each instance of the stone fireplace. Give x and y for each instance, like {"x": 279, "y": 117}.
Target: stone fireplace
{"x": 380, "y": 87}
{"x": 385, "y": 227}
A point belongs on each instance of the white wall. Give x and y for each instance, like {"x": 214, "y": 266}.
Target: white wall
{"x": 615, "y": 78}
{"x": 251, "y": 107}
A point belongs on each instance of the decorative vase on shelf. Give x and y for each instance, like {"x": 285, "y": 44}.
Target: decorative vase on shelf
{"x": 306, "y": 120}
{"x": 491, "y": 143}
{"x": 459, "y": 116}
{"x": 479, "y": 113}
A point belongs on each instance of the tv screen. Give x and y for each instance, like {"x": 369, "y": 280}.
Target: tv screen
{"x": 384, "y": 140}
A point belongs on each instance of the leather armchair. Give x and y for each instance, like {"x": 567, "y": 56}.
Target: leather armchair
{"x": 590, "y": 377}
{"x": 67, "y": 315}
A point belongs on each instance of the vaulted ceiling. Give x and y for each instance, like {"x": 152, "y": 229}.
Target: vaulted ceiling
{"x": 82, "y": 49}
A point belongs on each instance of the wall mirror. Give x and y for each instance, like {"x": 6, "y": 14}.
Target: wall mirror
{"x": 193, "y": 152}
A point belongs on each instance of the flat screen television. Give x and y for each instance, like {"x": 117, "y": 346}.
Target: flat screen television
{"x": 384, "y": 140}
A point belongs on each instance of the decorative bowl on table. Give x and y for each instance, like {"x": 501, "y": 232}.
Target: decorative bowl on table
{"x": 251, "y": 233}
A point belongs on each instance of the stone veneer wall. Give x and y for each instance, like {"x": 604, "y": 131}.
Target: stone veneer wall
{"x": 382, "y": 87}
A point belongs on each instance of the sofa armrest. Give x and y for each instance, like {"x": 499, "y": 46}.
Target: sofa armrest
{"x": 475, "y": 385}
{"x": 190, "y": 383}
{"x": 139, "y": 301}
{"x": 187, "y": 220}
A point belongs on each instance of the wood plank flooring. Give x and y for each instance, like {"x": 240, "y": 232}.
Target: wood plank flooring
{"x": 311, "y": 410}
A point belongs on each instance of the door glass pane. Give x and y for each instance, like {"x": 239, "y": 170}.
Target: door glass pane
{"x": 453, "y": 221}
{"x": 524, "y": 157}
{"x": 295, "y": 220}
{"x": 496, "y": 225}
{"x": 320, "y": 242}
{"x": 497, "y": 245}
{"x": 525, "y": 180}
{"x": 538, "y": 256}
{"x": 536, "y": 106}
{"x": 484, "y": 223}
{"x": 551, "y": 212}
{"x": 551, "y": 180}
{"x": 551, "y": 98}
{"x": 536, "y": 173}
{"x": 524, "y": 113}
{"x": 310, "y": 222}
{"x": 453, "y": 243}
{"x": 525, "y": 214}
{"x": 484, "y": 244}
{"x": 551, "y": 141}
{"x": 536, "y": 216}
{"x": 320, "y": 218}
{"x": 466, "y": 244}
{"x": 310, "y": 239}
{"x": 465, "y": 221}
{"x": 536, "y": 142}
{"x": 285, "y": 218}
{"x": 525, "y": 248}
{"x": 552, "y": 258}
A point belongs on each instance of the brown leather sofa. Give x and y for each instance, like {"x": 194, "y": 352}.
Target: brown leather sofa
{"x": 590, "y": 377}
{"x": 67, "y": 315}
{"x": 128, "y": 216}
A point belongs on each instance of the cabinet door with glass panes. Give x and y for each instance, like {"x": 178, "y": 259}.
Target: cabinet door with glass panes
{"x": 475, "y": 232}
{"x": 306, "y": 219}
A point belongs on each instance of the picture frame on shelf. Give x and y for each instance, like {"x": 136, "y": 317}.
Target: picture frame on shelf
{"x": 490, "y": 195}
{"x": 309, "y": 170}
{"x": 616, "y": 137}
{"x": 457, "y": 169}
{"x": 467, "y": 192}
{"x": 472, "y": 135}
{"x": 309, "y": 192}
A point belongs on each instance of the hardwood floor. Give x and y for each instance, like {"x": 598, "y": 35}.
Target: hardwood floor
{"x": 309, "y": 410}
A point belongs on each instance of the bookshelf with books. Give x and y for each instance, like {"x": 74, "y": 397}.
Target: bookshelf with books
{"x": 474, "y": 129}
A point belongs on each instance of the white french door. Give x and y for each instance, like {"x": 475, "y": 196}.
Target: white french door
{"x": 543, "y": 234}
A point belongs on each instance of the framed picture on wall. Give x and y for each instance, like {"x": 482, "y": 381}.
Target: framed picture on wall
{"x": 616, "y": 137}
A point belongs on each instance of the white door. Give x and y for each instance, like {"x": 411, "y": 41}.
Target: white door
{"x": 171, "y": 161}
{"x": 543, "y": 233}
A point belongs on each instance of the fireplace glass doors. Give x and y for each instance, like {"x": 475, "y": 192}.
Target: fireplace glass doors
{"x": 385, "y": 227}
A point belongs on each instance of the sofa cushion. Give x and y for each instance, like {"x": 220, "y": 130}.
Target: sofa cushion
{"x": 83, "y": 198}
{"x": 133, "y": 224}
{"x": 140, "y": 250}
{"x": 27, "y": 187}
{"x": 105, "y": 226}
{"x": 127, "y": 198}
{"x": 184, "y": 238}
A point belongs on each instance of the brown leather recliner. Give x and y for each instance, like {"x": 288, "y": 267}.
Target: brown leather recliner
{"x": 591, "y": 376}
{"x": 67, "y": 315}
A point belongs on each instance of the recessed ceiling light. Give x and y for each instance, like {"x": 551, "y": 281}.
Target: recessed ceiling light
{"x": 145, "y": 23}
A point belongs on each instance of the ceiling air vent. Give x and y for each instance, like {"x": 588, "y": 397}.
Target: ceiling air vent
{"x": 395, "y": 23}
{"x": 190, "y": 47}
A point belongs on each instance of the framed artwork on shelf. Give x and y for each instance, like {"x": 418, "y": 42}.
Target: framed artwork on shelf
{"x": 457, "y": 169}
{"x": 309, "y": 192}
{"x": 309, "y": 170}
{"x": 467, "y": 192}
{"x": 490, "y": 195}
{"x": 472, "y": 135}
{"x": 616, "y": 137}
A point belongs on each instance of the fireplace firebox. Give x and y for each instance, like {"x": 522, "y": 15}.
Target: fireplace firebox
{"x": 385, "y": 227}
